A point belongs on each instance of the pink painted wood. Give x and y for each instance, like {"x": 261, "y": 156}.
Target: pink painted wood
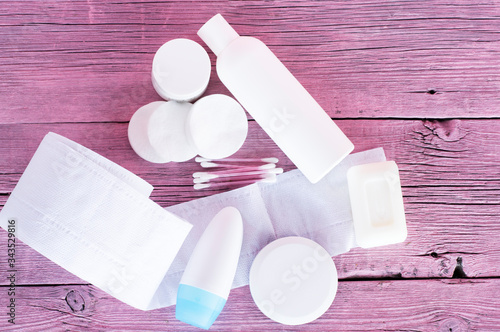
{"x": 420, "y": 79}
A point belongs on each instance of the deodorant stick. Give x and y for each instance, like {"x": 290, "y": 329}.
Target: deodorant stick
{"x": 209, "y": 274}
{"x": 276, "y": 100}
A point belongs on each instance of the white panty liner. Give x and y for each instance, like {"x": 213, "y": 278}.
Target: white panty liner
{"x": 290, "y": 207}
{"x": 94, "y": 218}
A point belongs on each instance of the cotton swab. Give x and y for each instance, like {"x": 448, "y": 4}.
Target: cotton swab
{"x": 235, "y": 178}
{"x": 269, "y": 178}
{"x": 265, "y": 160}
{"x": 235, "y": 171}
{"x": 241, "y": 169}
{"x": 210, "y": 164}
{"x": 214, "y": 175}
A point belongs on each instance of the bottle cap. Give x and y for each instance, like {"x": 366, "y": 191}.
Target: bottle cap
{"x": 217, "y": 126}
{"x": 167, "y": 131}
{"x": 293, "y": 280}
{"x": 217, "y": 34}
{"x": 138, "y": 133}
{"x": 181, "y": 70}
{"x": 197, "y": 307}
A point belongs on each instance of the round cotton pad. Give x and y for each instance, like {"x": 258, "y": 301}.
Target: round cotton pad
{"x": 138, "y": 133}
{"x": 217, "y": 126}
{"x": 167, "y": 131}
{"x": 293, "y": 280}
{"x": 181, "y": 70}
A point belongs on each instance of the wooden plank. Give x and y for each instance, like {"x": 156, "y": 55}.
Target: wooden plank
{"x": 438, "y": 160}
{"x": 442, "y": 243}
{"x": 398, "y": 305}
{"x": 81, "y": 69}
{"x": 452, "y": 196}
{"x": 428, "y": 153}
{"x": 91, "y": 61}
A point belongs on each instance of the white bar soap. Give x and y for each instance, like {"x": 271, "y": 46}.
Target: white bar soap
{"x": 377, "y": 204}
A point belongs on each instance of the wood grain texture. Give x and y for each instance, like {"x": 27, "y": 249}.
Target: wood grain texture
{"x": 389, "y": 305}
{"x": 452, "y": 197}
{"x": 359, "y": 59}
{"x": 445, "y": 162}
{"x": 420, "y": 79}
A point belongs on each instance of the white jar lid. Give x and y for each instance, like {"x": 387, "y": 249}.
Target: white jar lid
{"x": 138, "y": 133}
{"x": 167, "y": 131}
{"x": 217, "y": 126}
{"x": 293, "y": 280}
{"x": 181, "y": 70}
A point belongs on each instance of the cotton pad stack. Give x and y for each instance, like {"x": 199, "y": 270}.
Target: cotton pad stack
{"x": 176, "y": 130}
{"x": 181, "y": 70}
{"x": 157, "y": 132}
{"x": 217, "y": 126}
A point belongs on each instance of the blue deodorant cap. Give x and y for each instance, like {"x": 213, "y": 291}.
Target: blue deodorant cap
{"x": 197, "y": 307}
{"x": 209, "y": 274}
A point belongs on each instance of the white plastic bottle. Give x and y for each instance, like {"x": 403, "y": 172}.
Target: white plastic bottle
{"x": 276, "y": 100}
{"x": 209, "y": 274}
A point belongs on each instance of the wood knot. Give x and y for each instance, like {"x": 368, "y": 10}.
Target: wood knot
{"x": 75, "y": 301}
{"x": 455, "y": 324}
{"x": 459, "y": 269}
{"x": 447, "y": 130}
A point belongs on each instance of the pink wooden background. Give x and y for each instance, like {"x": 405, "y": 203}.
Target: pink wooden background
{"x": 419, "y": 78}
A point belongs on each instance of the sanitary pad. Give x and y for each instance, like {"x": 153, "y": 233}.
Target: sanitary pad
{"x": 292, "y": 206}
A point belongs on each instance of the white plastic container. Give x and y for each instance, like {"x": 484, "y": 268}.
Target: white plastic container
{"x": 293, "y": 280}
{"x": 209, "y": 274}
{"x": 276, "y": 100}
{"x": 377, "y": 204}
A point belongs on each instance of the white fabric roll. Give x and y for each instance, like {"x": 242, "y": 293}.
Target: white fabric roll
{"x": 94, "y": 218}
